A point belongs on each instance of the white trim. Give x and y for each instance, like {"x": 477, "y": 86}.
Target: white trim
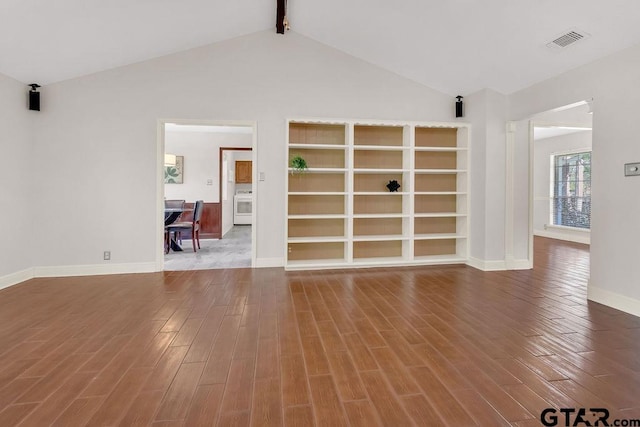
{"x": 531, "y": 189}
{"x": 518, "y": 264}
{"x": 487, "y": 265}
{"x": 551, "y": 234}
{"x": 572, "y": 151}
{"x": 94, "y": 270}
{"x": 374, "y": 122}
{"x": 159, "y": 240}
{"x": 17, "y": 277}
{"x": 556, "y": 124}
{"x": 567, "y": 228}
{"x": 160, "y": 143}
{"x": 254, "y": 194}
{"x": 510, "y": 134}
{"x": 614, "y": 300}
{"x": 269, "y": 262}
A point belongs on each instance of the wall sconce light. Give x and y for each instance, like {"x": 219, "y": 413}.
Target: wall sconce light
{"x": 169, "y": 159}
{"x": 34, "y": 97}
{"x": 459, "y": 107}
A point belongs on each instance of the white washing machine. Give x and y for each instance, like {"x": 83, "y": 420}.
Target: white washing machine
{"x": 242, "y": 207}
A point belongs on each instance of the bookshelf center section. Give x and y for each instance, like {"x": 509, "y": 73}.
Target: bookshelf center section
{"x": 346, "y": 209}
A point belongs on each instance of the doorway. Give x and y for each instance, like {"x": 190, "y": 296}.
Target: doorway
{"x": 236, "y": 189}
{"x": 196, "y": 146}
{"x": 560, "y": 173}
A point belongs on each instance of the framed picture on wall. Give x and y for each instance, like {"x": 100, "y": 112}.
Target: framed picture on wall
{"x": 173, "y": 173}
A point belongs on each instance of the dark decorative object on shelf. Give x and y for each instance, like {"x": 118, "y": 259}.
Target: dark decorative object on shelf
{"x": 393, "y": 186}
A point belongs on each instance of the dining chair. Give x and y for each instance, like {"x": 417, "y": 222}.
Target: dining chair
{"x": 171, "y": 218}
{"x": 192, "y": 226}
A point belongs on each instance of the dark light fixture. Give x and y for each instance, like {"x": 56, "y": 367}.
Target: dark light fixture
{"x": 459, "y": 107}
{"x": 34, "y": 97}
{"x": 282, "y": 23}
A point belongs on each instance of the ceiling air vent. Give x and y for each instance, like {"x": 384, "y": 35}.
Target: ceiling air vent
{"x": 567, "y": 38}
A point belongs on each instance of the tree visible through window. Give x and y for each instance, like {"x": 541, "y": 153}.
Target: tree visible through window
{"x": 571, "y": 201}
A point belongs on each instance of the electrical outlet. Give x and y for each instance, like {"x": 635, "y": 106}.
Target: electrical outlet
{"x": 632, "y": 169}
{"x": 107, "y": 255}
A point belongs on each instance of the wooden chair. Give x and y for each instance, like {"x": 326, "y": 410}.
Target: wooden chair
{"x": 193, "y": 226}
{"x": 171, "y": 218}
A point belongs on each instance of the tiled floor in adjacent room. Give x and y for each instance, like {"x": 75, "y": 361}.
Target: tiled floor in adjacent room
{"x": 232, "y": 251}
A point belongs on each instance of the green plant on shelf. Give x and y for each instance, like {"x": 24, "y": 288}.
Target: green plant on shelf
{"x": 298, "y": 164}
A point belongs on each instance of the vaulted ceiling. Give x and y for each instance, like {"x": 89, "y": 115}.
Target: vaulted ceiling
{"x": 455, "y": 46}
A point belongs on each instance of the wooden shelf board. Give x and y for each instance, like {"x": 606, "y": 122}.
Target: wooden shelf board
{"x": 369, "y": 170}
{"x": 316, "y": 239}
{"x": 436, "y": 236}
{"x": 375, "y": 262}
{"x": 317, "y": 193}
{"x": 380, "y": 147}
{"x": 317, "y": 170}
{"x": 439, "y": 171}
{"x": 320, "y": 216}
{"x": 316, "y": 263}
{"x": 440, "y": 193}
{"x": 441, "y": 259}
{"x": 379, "y": 238}
{"x": 381, "y": 193}
{"x": 379, "y": 261}
{"x": 319, "y": 146}
{"x": 419, "y": 148}
{"x": 439, "y": 215}
{"x": 390, "y": 215}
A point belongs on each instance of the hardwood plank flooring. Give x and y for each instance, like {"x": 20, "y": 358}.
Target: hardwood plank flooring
{"x": 440, "y": 345}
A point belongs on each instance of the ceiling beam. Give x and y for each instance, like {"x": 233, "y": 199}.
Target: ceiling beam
{"x": 280, "y": 15}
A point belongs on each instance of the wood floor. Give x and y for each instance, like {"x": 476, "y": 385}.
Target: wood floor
{"x": 419, "y": 346}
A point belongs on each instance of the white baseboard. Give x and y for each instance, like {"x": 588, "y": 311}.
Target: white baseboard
{"x": 17, "y": 277}
{"x": 487, "y": 265}
{"x": 518, "y": 264}
{"x": 500, "y": 265}
{"x": 583, "y": 237}
{"x": 269, "y": 262}
{"x": 94, "y": 270}
{"x": 614, "y": 300}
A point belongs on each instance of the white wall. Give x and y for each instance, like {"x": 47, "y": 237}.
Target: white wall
{"x": 16, "y": 181}
{"x": 201, "y": 151}
{"x": 612, "y": 83}
{"x": 543, "y": 150}
{"x": 494, "y": 191}
{"x": 94, "y": 161}
{"x": 487, "y": 111}
{"x": 98, "y": 135}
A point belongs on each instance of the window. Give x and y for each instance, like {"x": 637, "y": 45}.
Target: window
{"x": 571, "y": 180}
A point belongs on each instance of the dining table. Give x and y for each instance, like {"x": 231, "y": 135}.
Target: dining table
{"x": 170, "y": 216}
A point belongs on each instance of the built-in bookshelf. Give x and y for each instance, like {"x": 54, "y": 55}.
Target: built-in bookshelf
{"x": 340, "y": 212}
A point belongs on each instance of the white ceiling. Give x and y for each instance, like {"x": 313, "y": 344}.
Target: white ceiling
{"x": 456, "y": 46}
